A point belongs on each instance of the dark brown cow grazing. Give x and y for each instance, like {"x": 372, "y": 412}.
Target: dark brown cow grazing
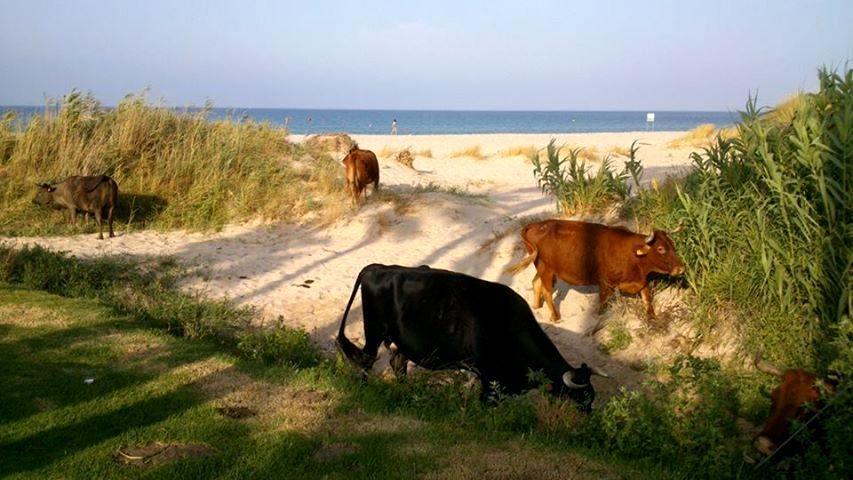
{"x": 362, "y": 170}
{"x": 96, "y": 194}
{"x": 582, "y": 253}
{"x": 789, "y": 401}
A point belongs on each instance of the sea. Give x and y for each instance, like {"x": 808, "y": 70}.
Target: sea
{"x": 442, "y": 122}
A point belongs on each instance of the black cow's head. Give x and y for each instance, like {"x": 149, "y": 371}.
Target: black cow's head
{"x": 577, "y": 385}
{"x": 45, "y": 194}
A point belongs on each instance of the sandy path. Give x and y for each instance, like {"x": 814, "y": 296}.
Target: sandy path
{"x": 305, "y": 273}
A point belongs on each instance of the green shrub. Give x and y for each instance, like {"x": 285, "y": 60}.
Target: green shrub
{"x": 767, "y": 215}
{"x": 576, "y": 190}
{"x": 689, "y": 418}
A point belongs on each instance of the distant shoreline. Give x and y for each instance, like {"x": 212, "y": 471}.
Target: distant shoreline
{"x": 455, "y": 122}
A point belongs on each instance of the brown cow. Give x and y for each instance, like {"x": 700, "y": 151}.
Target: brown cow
{"x": 789, "y": 401}
{"x": 362, "y": 170}
{"x": 582, "y": 253}
{"x": 96, "y": 194}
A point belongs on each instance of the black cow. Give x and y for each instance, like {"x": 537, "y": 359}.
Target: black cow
{"x": 441, "y": 320}
{"x": 94, "y": 194}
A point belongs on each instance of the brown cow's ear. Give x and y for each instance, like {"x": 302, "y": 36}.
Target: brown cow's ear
{"x": 642, "y": 251}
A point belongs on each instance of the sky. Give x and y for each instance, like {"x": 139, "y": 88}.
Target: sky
{"x": 435, "y": 55}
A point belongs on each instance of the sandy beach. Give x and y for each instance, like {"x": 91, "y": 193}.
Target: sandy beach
{"x": 304, "y": 273}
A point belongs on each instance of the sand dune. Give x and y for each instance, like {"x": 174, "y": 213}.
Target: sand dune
{"x": 304, "y": 273}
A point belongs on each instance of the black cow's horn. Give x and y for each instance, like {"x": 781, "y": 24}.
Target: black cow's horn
{"x": 567, "y": 379}
{"x": 650, "y": 238}
{"x": 600, "y": 373}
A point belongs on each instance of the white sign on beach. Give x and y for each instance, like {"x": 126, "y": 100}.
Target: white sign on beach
{"x": 650, "y": 117}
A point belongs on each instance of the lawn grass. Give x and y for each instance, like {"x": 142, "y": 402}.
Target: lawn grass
{"x": 156, "y": 383}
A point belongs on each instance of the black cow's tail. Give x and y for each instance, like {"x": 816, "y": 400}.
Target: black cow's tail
{"x": 103, "y": 179}
{"x": 352, "y": 352}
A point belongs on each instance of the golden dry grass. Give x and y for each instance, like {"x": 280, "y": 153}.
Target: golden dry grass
{"x": 427, "y": 153}
{"x": 174, "y": 170}
{"x": 387, "y": 152}
{"x": 471, "y": 152}
{"x": 698, "y": 137}
{"x": 619, "y": 151}
{"x": 525, "y": 151}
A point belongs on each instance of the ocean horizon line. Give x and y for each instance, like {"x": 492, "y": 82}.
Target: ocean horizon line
{"x": 440, "y": 122}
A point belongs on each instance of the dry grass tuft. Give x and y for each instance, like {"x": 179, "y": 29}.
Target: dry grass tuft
{"x": 426, "y": 153}
{"x": 472, "y": 152}
{"x": 387, "y": 152}
{"x": 405, "y": 157}
{"x": 335, "y": 142}
{"x": 585, "y": 153}
{"x": 698, "y": 137}
{"x": 619, "y": 151}
{"x": 525, "y": 151}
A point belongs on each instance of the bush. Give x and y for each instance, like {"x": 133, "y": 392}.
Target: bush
{"x": 778, "y": 253}
{"x": 575, "y": 189}
{"x": 689, "y": 418}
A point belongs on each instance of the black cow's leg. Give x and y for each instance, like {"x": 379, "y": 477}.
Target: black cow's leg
{"x": 374, "y": 334}
{"x": 399, "y": 363}
{"x": 110, "y": 215}
{"x": 99, "y": 219}
{"x": 487, "y": 390}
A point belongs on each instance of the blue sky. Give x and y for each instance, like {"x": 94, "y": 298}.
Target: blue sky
{"x": 577, "y": 55}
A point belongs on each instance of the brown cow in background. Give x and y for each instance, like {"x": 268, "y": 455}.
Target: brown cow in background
{"x": 94, "y": 194}
{"x": 582, "y": 253}
{"x": 790, "y": 401}
{"x": 362, "y": 170}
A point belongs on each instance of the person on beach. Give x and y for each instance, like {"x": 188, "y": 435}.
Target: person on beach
{"x": 394, "y": 127}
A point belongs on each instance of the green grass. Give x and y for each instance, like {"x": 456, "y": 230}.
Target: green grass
{"x": 163, "y": 361}
{"x": 174, "y": 170}
{"x": 152, "y": 382}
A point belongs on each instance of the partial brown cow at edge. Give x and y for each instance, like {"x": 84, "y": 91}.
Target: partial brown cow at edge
{"x": 362, "y": 170}
{"x": 799, "y": 395}
{"x": 582, "y": 253}
{"x": 93, "y": 194}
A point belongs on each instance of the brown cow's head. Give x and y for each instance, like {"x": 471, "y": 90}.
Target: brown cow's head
{"x": 790, "y": 401}
{"x": 45, "y": 194}
{"x": 658, "y": 252}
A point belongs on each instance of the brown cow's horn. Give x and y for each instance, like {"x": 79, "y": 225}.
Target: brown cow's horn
{"x": 599, "y": 372}
{"x": 567, "y": 379}
{"x": 766, "y": 367}
{"x": 650, "y": 238}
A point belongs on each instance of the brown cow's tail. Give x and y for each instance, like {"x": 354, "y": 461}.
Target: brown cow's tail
{"x": 530, "y": 258}
{"x": 352, "y": 352}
